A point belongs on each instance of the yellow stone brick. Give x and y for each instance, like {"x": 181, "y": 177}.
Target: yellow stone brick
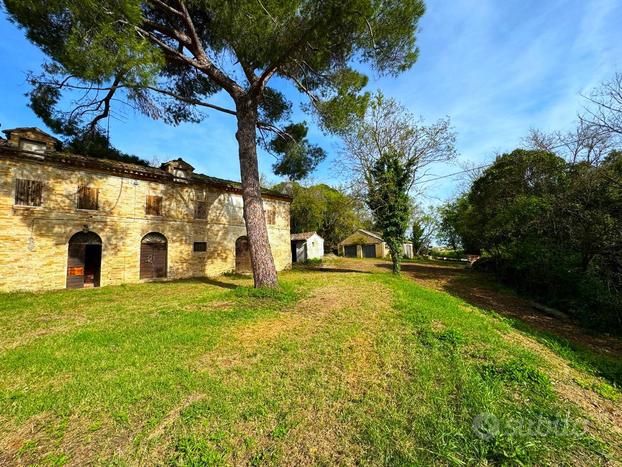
{"x": 34, "y": 241}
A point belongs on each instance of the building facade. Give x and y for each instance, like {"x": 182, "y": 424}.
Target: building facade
{"x": 366, "y": 244}
{"x": 73, "y": 221}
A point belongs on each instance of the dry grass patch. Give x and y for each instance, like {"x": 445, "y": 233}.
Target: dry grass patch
{"x": 605, "y": 415}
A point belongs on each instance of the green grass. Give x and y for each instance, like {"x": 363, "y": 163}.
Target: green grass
{"x": 330, "y": 368}
{"x": 608, "y": 367}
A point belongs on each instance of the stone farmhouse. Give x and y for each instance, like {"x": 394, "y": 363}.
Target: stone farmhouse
{"x": 72, "y": 221}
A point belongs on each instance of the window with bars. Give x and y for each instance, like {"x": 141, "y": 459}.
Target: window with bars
{"x": 199, "y": 247}
{"x": 271, "y": 216}
{"x": 200, "y": 210}
{"x": 88, "y": 198}
{"x": 153, "y": 206}
{"x": 28, "y": 192}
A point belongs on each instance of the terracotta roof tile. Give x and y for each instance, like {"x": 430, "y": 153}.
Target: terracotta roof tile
{"x": 108, "y": 165}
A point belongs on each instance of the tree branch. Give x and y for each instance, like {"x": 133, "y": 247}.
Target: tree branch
{"x": 200, "y": 59}
{"x": 170, "y": 32}
{"x": 260, "y": 124}
{"x": 206, "y": 65}
{"x": 106, "y": 103}
{"x": 166, "y": 7}
{"x": 259, "y": 84}
{"x": 191, "y": 101}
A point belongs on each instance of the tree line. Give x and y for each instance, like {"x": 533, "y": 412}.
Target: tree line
{"x": 547, "y": 218}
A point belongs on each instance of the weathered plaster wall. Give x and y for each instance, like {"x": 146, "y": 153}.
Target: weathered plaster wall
{"x": 315, "y": 247}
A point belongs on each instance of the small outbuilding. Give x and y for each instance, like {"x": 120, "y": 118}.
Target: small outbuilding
{"x": 306, "y": 245}
{"x": 368, "y": 244}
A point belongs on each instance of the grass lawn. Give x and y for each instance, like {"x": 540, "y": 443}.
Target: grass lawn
{"x": 335, "y": 367}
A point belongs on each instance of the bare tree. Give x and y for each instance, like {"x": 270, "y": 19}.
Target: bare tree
{"x": 389, "y": 126}
{"x": 604, "y": 111}
{"x": 425, "y": 226}
{"x": 586, "y": 143}
{"x": 598, "y": 130}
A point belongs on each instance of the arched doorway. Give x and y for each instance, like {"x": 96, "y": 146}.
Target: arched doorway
{"x": 242, "y": 256}
{"x": 84, "y": 259}
{"x": 153, "y": 256}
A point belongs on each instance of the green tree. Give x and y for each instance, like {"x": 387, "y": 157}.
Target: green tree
{"x": 298, "y": 157}
{"x": 388, "y": 183}
{"x": 550, "y": 228}
{"x": 458, "y": 227}
{"x": 166, "y": 58}
{"x": 96, "y": 144}
{"x": 424, "y": 228}
{"x": 417, "y": 236}
{"x": 391, "y": 138}
{"x": 329, "y": 211}
{"x": 389, "y": 126}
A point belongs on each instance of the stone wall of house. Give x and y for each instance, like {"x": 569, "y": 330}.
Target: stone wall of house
{"x": 34, "y": 240}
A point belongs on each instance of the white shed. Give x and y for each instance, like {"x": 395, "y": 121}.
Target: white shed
{"x": 306, "y": 245}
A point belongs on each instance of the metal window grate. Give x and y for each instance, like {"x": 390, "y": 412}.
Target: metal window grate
{"x": 199, "y": 246}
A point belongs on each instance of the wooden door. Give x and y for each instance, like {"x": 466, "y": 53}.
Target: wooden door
{"x": 242, "y": 256}
{"x": 75, "y": 266}
{"x": 153, "y": 256}
{"x": 349, "y": 251}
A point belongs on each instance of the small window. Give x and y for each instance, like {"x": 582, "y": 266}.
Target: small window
{"x": 200, "y": 210}
{"x": 270, "y": 216}
{"x": 154, "y": 206}
{"x": 32, "y": 146}
{"x": 88, "y": 198}
{"x": 28, "y": 192}
{"x": 200, "y": 246}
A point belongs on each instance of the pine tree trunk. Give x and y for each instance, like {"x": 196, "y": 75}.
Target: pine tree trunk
{"x": 264, "y": 271}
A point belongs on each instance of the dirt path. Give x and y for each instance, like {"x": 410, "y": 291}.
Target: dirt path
{"x": 479, "y": 290}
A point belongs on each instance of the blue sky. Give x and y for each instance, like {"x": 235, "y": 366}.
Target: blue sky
{"x": 495, "y": 67}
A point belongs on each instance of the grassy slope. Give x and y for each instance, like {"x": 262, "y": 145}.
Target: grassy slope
{"x": 336, "y": 367}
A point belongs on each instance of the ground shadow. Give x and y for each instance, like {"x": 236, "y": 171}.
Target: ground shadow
{"x": 209, "y": 281}
{"x": 329, "y": 269}
{"x": 483, "y": 291}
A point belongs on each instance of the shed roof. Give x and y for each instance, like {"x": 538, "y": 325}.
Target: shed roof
{"x": 372, "y": 234}
{"x": 303, "y": 235}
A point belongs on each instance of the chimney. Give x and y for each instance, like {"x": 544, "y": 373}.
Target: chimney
{"x": 31, "y": 139}
{"x": 179, "y": 169}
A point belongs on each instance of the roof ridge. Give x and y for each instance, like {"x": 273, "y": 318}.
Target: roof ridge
{"x": 372, "y": 233}
{"x": 58, "y": 156}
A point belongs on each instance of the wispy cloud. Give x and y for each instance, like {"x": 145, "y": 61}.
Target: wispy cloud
{"x": 495, "y": 67}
